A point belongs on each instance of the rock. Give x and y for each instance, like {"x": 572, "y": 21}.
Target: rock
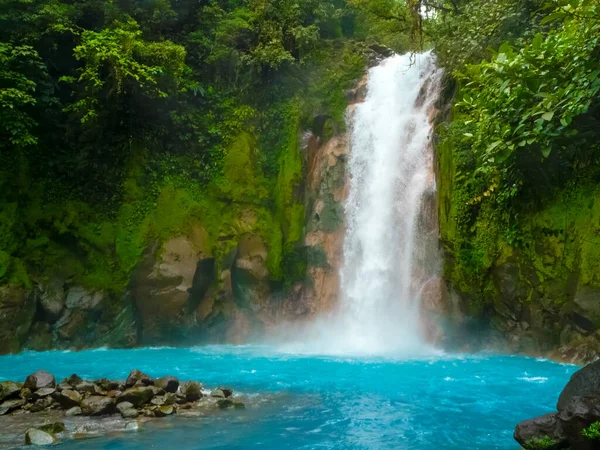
{"x": 138, "y": 396}
{"x": 136, "y": 376}
{"x": 584, "y": 382}
{"x": 42, "y": 404}
{"x": 52, "y": 428}
{"x": 562, "y": 429}
{"x": 9, "y": 389}
{"x": 124, "y": 405}
{"x": 51, "y": 299}
{"x": 33, "y": 436}
{"x": 167, "y": 399}
{"x": 163, "y": 411}
{"x": 113, "y": 394}
{"x": 26, "y": 394}
{"x": 74, "y": 411}
{"x": 40, "y": 379}
{"x": 69, "y": 398}
{"x": 217, "y": 393}
{"x": 108, "y": 385}
{"x": 79, "y": 298}
{"x": 227, "y": 403}
{"x": 17, "y": 313}
{"x": 169, "y": 384}
{"x": 97, "y": 405}
{"x": 157, "y": 390}
{"x": 180, "y": 398}
{"x": 44, "y": 392}
{"x": 11, "y": 405}
{"x": 192, "y": 391}
{"x": 129, "y": 413}
{"x": 221, "y": 393}
{"x": 73, "y": 380}
{"x": 86, "y": 387}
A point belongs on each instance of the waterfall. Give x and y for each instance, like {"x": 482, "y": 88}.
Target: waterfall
{"x": 389, "y": 250}
{"x": 391, "y": 236}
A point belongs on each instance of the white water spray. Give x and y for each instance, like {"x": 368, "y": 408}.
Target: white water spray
{"x": 390, "y": 247}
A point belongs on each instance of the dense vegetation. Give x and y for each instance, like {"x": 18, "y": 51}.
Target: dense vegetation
{"x": 123, "y": 121}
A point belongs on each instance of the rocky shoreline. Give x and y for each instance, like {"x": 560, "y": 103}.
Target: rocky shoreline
{"x": 51, "y": 411}
{"x": 576, "y": 423}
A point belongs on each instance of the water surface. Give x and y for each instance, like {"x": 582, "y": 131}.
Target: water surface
{"x": 321, "y": 402}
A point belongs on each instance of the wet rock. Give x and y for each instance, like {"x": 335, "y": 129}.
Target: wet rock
{"x": 530, "y": 433}
{"x": 192, "y": 391}
{"x": 42, "y": 404}
{"x": 9, "y": 389}
{"x": 51, "y": 299}
{"x": 583, "y": 383}
{"x": 169, "y": 384}
{"x": 163, "y": 411}
{"x": 138, "y": 396}
{"x": 25, "y": 393}
{"x": 97, "y": 405}
{"x": 86, "y": 387}
{"x": 129, "y": 413}
{"x": 44, "y": 392}
{"x": 33, "y": 436}
{"x": 228, "y": 403}
{"x": 167, "y": 399}
{"x": 69, "y": 398}
{"x": 221, "y": 393}
{"x": 74, "y": 411}
{"x": 73, "y": 380}
{"x": 108, "y": 385}
{"x": 40, "y": 379}
{"x": 10, "y": 405}
{"x": 135, "y": 377}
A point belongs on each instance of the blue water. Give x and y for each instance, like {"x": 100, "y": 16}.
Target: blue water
{"x": 438, "y": 403}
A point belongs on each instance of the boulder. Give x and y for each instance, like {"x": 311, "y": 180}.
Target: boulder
{"x": 137, "y": 377}
{"x": 221, "y": 393}
{"x": 530, "y": 433}
{"x": 129, "y": 413}
{"x": 563, "y": 429}
{"x": 51, "y": 299}
{"x": 584, "y": 382}
{"x": 167, "y": 399}
{"x": 44, "y": 392}
{"x": 74, "y": 411}
{"x": 169, "y": 384}
{"x": 40, "y": 379}
{"x": 137, "y": 396}
{"x": 124, "y": 405}
{"x": 26, "y": 394}
{"x": 163, "y": 411}
{"x": 85, "y": 387}
{"x": 73, "y": 380}
{"x": 192, "y": 391}
{"x": 42, "y": 404}
{"x": 97, "y": 405}
{"x": 69, "y": 399}
{"x": 228, "y": 403}
{"x": 11, "y": 405}
{"x": 33, "y": 436}
{"x": 108, "y": 385}
{"x": 9, "y": 389}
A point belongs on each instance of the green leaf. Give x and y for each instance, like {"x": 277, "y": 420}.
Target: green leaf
{"x": 548, "y": 116}
{"x": 546, "y": 151}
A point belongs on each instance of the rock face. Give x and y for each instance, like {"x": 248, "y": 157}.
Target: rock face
{"x": 584, "y": 382}
{"x": 578, "y": 408}
{"x": 40, "y": 379}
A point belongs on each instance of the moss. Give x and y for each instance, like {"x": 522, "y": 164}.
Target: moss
{"x": 540, "y": 443}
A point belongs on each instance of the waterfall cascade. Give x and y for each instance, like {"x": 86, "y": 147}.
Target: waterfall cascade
{"x": 390, "y": 247}
{"x": 391, "y": 237}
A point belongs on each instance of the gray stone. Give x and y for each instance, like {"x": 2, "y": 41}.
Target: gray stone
{"x": 129, "y": 413}
{"x": 33, "y": 436}
{"x": 108, "y": 385}
{"x": 74, "y": 411}
{"x": 69, "y": 399}
{"x": 9, "y": 389}
{"x": 79, "y": 298}
{"x": 169, "y": 384}
{"x": 217, "y": 393}
{"x": 85, "y": 387}
{"x": 162, "y": 411}
{"x": 40, "y": 379}
{"x": 584, "y": 382}
{"x": 97, "y": 405}
{"x": 52, "y": 301}
{"x": 192, "y": 391}
{"x": 44, "y": 392}
{"x": 11, "y": 405}
{"x": 136, "y": 377}
{"x": 73, "y": 380}
{"x": 42, "y": 404}
{"x": 137, "y": 396}
{"x": 124, "y": 405}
